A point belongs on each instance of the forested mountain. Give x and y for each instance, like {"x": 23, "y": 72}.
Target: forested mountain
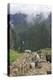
{"x": 24, "y": 35}
{"x": 18, "y": 18}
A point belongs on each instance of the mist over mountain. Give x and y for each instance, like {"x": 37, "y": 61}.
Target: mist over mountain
{"x": 18, "y": 18}
{"x": 21, "y": 18}
{"x": 34, "y": 30}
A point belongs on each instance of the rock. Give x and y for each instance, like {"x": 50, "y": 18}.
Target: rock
{"x": 32, "y": 65}
{"x": 48, "y": 72}
{"x": 27, "y": 51}
{"x": 14, "y": 72}
{"x": 48, "y": 58}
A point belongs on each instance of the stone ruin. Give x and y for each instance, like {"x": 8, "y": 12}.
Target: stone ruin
{"x": 26, "y": 63}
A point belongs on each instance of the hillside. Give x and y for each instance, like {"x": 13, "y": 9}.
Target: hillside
{"x": 35, "y": 35}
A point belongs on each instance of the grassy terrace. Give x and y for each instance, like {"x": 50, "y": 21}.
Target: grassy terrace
{"x": 14, "y": 55}
{"x": 45, "y": 51}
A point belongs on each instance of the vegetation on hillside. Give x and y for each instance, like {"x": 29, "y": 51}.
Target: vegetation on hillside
{"x": 34, "y": 36}
{"x": 14, "y": 55}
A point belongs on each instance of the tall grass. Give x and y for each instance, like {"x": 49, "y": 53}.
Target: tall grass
{"x": 14, "y": 55}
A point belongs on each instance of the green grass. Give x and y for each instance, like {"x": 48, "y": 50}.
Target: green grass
{"x": 14, "y": 55}
{"x": 45, "y": 51}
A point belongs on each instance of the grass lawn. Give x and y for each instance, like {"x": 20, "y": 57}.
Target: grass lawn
{"x": 14, "y": 55}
